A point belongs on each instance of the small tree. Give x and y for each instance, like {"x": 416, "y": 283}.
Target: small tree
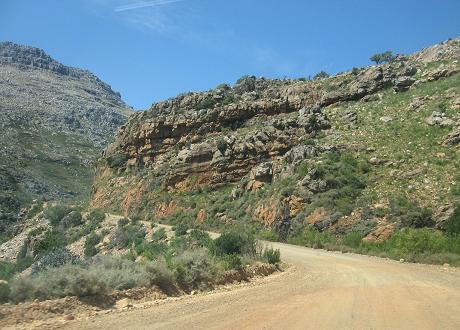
{"x": 384, "y": 57}
{"x": 321, "y": 75}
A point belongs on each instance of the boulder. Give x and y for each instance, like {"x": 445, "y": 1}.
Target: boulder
{"x": 262, "y": 172}
{"x": 403, "y": 84}
{"x": 386, "y": 119}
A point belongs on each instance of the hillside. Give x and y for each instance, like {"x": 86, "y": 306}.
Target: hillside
{"x": 55, "y": 120}
{"x": 367, "y": 151}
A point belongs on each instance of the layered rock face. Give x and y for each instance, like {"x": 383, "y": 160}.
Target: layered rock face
{"x": 251, "y": 136}
{"x": 55, "y": 120}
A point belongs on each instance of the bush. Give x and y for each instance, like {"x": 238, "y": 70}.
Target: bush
{"x": 181, "y": 229}
{"x": 51, "y": 240}
{"x": 96, "y": 216}
{"x": 321, "y": 75}
{"x": 159, "y": 235}
{"x": 232, "y": 261}
{"x": 90, "y": 242}
{"x": 200, "y": 238}
{"x": 193, "y": 267}
{"x": 72, "y": 219}
{"x": 234, "y": 242}
{"x": 54, "y": 259}
{"x": 313, "y": 238}
{"x": 122, "y": 222}
{"x": 128, "y": 235}
{"x": 34, "y": 210}
{"x": 117, "y": 160}
{"x": 269, "y": 235}
{"x": 452, "y": 225}
{"x": 119, "y": 273}
{"x": 5, "y": 291}
{"x": 410, "y": 214}
{"x": 222, "y": 145}
{"x": 272, "y": 256}
{"x": 97, "y": 278}
{"x": 159, "y": 273}
{"x": 7, "y": 269}
{"x": 417, "y": 241}
{"x": 352, "y": 239}
{"x": 151, "y": 250}
{"x": 229, "y": 99}
{"x": 56, "y": 213}
{"x": 69, "y": 280}
{"x": 207, "y": 103}
{"x": 382, "y": 57}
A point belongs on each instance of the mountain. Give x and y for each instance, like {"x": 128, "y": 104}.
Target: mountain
{"x": 54, "y": 122}
{"x": 369, "y": 151}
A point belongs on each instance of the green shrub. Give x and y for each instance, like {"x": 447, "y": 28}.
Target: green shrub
{"x": 56, "y": 213}
{"x": 193, "y": 267}
{"x": 417, "y": 241}
{"x": 90, "y": 242}
{"x": 229, "y": 99}
{"x": 272, "y": 256}
{"x": 207, "y": 103}
{"x": 353, "y": 239}
{"x": 222, "y": 145}
{"x": 72, "y": 219}
{"x": 119, "y": 273}
{"x": 51, "y": 240}
{"x": 382, "y": 57}
{"x": 200, "y": 238}
{"x": 159, "y": 274}
{"x": 151, "y": 250}
{"x": 410, "y": 214}
{"x": 232, "y": 261}
{"x": 7, "y": 269}
{"x": 452, "y": 225}
{"x": 34, "y": 210}
{"x": 269, "y": 235}
{"x": 5, "y": 291}
{"x": 128, "y": 235}
{"x": 313, "y": 238}
{"x": 355, "y": 71}
{"x": 117, "y": 160}
{"x": 96, "y": 216}
{"x": 122, "y": 222}
{"x": 54, "y": 259}
{"x": 159, "y": 235}
{"x": 69, "y": 280}
{"x": 233, "y": 242}
{"x": 321, "y": 75}
{"x": 181, "y": 229}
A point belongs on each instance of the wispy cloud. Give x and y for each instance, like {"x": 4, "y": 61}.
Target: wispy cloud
{"x": 144, "y": 4}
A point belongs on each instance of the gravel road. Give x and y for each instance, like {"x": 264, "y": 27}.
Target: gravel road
{"x": 323, "y": 290}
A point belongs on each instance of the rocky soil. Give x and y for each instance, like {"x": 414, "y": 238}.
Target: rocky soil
{"x": 55, "y": 120}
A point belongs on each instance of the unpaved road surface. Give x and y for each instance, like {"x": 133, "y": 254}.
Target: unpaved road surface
{"x": 324, "y": 290}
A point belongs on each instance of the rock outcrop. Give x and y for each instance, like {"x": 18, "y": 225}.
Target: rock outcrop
{"x": 271, "y": 139}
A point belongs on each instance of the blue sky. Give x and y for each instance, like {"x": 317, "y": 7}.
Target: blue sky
{"x": 152, "y": 50}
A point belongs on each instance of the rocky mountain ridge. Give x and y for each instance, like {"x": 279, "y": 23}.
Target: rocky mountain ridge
{"x": 246, "y": 144}
{"x": 55, "y": 120}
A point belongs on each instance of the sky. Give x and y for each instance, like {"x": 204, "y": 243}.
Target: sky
{"x": 153, "y": 50}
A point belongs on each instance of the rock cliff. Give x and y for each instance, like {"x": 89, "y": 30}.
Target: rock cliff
{"x": 287, "y": 153}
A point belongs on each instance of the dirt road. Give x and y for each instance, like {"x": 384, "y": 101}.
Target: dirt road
{"x": 324, "y": 290}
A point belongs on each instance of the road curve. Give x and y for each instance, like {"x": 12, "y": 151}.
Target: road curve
{"x": 324, "y": 290}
